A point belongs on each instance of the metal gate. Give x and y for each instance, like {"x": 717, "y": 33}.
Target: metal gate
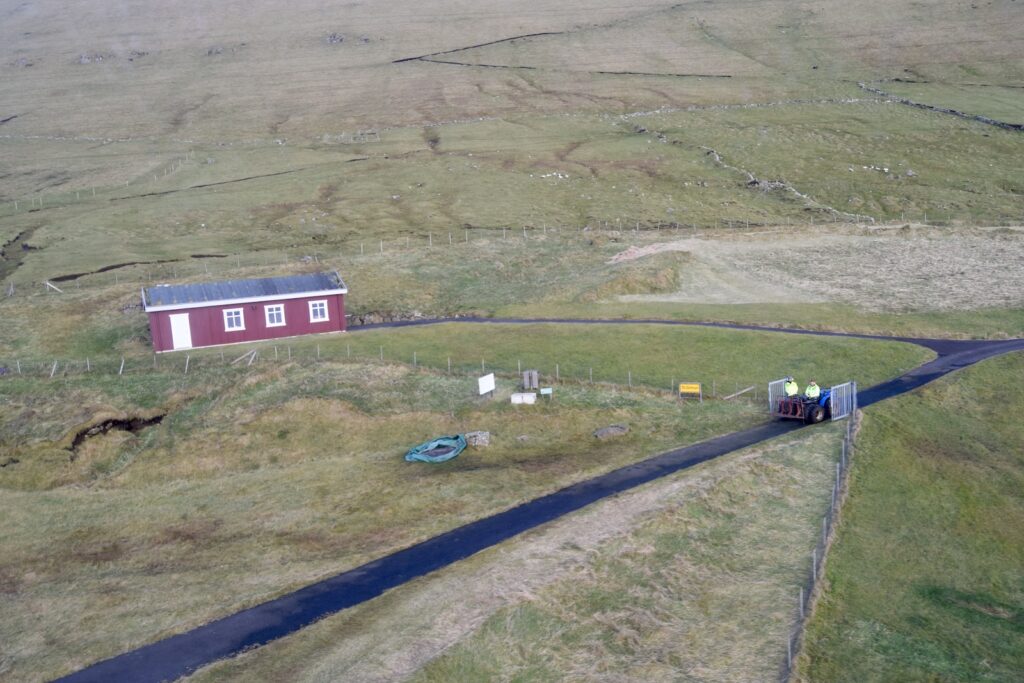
{"x": 776, "y": 391}
{"x": 843, "y": 400}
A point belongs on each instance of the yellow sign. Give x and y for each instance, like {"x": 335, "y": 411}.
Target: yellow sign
{"x": 690, "y": 388}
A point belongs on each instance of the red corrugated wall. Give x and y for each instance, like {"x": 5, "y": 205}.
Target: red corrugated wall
{"x": 207, "y": 323}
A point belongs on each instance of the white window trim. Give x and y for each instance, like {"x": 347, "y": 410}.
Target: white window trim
{"x": 266, "y": 315}
{"x": 241, "y": 316}
{"x": 327, "y": 312}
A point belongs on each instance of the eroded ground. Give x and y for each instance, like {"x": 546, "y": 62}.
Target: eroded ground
{"x": 882, "y": 270}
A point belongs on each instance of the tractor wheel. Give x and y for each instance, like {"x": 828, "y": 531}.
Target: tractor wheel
{"x": 813, "y": 414}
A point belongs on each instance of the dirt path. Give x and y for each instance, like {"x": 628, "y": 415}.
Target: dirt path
{"x": 179, "y": 655}
{"x": 912, "y": 269}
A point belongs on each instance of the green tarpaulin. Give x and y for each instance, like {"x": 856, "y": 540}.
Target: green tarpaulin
{"x": 438, "y": 450}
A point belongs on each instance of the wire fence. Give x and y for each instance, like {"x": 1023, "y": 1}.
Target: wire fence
{"x": 221, "y": 266}
{"x": 260, "y": 355}
{"x": 808, "y": 591}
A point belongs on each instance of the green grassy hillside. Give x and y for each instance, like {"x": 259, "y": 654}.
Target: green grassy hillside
{"x": 691, "y": 577}
{"x": 924, "y": 582}
{"x": 701, "y": 161}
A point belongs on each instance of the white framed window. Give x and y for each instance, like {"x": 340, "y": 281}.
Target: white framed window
{"x": 275, "y": 315}
{"x": 233, "y": 319}
{"x": 318, "y": 311}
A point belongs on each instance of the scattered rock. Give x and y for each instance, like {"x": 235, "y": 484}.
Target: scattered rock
{"x": 215, "y": 50}
{"x": 92, "y": 58}
{"x": 383, "y": 317}
{"x": 611, "y": 431}
{"x": 22, "y": 62}
{"x": 911, "y": 173}
{"x": 767, "y": 185}
{"x": 136, "y": 54}
{"x": 523, "y": 437}
{"x": 478, "y": 439}
{"x": 335, "y": 39}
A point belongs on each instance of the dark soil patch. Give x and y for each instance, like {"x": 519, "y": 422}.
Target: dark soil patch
{"x": 103, "y": 552}
{"x": 104, "y": 269}
{"x": 129, "y": 424}
{"x": 12, "y": 253}
{"x": 197, "y": 187}
{"x": 194, "y": 531}
{"x": 9, "y": 583}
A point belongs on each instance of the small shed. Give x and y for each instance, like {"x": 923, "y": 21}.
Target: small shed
{"x": 236, "y": 311}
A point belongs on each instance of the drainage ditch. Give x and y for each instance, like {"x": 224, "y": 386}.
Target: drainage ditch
{"x": 129, "y": 424}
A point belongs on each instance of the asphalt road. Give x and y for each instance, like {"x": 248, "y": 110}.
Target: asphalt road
{"x": 179, "y": 655}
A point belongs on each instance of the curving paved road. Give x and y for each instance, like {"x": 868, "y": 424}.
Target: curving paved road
{"x": 179, "y": 655}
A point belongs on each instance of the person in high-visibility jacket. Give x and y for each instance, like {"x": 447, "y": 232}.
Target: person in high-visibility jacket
{"x": 790, "y": 387}
{"x": 813, "y": 391}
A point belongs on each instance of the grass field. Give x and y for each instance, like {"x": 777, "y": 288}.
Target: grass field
{"x": 694, "y": 576}
{"x": 653, "y": 355}
{"x": 262, "y": 482}
{"x": 996, "y": 102}
{"x": 453, "y": 159}
{"x": 924, "y": 582}
{"x": 261, "y": 479}
{"x": 916, "y": 282}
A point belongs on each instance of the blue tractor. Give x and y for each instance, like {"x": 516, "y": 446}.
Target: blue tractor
{"x": 833, "y": 403}
{"x": 810, "y": 410}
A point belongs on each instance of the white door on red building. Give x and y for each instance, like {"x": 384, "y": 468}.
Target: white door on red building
{"x": 181, "y": 333}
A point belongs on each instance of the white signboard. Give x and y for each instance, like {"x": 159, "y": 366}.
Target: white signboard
{"x": 524, "y": 398}
{"x": 486, "y": 384}
{"x": 546, "y": 391}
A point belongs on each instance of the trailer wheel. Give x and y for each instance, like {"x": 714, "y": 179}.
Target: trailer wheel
{"x": 814, "y": 414}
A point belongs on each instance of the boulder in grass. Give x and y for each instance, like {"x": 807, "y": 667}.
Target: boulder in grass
{"x": 611, "y": 431}
{"x": 478, "y": 439}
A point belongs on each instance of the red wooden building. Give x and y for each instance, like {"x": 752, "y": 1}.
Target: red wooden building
{"x": 235, "y": 311}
